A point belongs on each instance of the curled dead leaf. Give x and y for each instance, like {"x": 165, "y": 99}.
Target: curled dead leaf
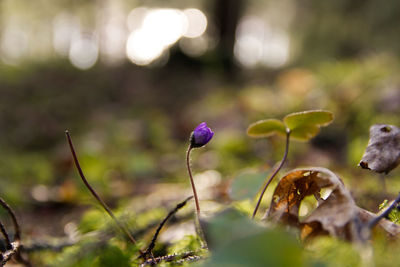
{"x": 336, "y": 214}
{"x": 383, "y": 151}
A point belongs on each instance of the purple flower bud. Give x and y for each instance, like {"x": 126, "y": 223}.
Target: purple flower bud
{"x": 201, "y": 135}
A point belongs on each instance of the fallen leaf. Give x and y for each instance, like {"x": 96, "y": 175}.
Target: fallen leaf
{"x": 336, "y": 214}
{"x": 383, "y": 151}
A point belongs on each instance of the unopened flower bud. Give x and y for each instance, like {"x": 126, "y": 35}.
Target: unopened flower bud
{"x": 201, "y": 135}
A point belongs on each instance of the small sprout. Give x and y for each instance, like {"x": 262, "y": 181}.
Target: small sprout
{"x": 201, "y": 135}
{"x": 300, "y": 126}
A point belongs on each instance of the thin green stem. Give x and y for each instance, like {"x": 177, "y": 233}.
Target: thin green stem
{"x": 96, "y": 196}
{"x": 274, "y": 173}
{"x": 191, "y": 180}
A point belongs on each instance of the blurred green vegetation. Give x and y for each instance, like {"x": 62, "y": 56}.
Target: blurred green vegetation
{"x": 131, "y": 125}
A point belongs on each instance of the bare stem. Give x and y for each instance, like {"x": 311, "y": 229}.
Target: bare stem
{"x": 274, "y": 174}
{"x": 192, "y": 181}
{"x": 6, "y": 236}
{"x": 376, "y": 220}
{"x": 13, "y": 218}
{"x": 149, "y": 250}
{"x": 96, "y": 196}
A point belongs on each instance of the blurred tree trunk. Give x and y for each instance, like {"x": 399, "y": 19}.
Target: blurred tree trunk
{"x": 226, "y": 16}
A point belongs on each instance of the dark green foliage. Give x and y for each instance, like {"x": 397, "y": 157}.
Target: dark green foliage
{"x": 235, "y": 240}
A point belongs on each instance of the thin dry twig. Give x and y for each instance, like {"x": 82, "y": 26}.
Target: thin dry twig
{"x": 149, "y": 250}
{"x": 96, "y": 196}
{"x": 17, "y": 229}
{"x": 6, "y": 236}
{"x": 175, "y": 258}
{"x": 15, "y": 246}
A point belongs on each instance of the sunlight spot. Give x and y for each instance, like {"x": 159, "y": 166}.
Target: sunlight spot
{"x": 197, "y": 23}
{"x": 13, "y": 44}
{"x": 84, "y": 52}
{"x": 167, "y": 25}
{"x": 325, "y": 193}
{"x": 142, "y": 48}
{"x": 40, "y": 193}
{"x": 194, "y": 47}
{"x": 248, "y": 50}
{"x": 113, "y": 38}
{"x": 153, "y": 31}
{"x": 257, "y": 43}
{"x": 136, "y": 17}
{"x": 65, "y": 26}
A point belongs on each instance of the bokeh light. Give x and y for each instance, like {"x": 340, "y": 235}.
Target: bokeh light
{"x": 259, "y": 43}
{"x": 159, "y": 29}
{"x": 84, "y": 52}
{"x": 13, "y": 44}
{"x": 197, "y": 23}
{"x": 65, "y": 26}
{"x": 153, "y": 31}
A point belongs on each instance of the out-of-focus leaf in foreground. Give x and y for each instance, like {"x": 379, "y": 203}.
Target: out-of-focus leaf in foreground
{"x": 383, "y": 151}
{"x": 235, "y": 240}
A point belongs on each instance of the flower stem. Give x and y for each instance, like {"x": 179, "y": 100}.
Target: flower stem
{"x": 96, "y": 196}
{"x": 274, "y": 174}
{"x": 191, "y": 180}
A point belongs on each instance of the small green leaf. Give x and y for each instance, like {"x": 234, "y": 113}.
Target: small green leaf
{"x": 305, "y": 125}
{"x": 310, "y": 117}
{"x": 266, "y": 128}
{"x": 246, "y": 185}
{"x": 304, "y": 132}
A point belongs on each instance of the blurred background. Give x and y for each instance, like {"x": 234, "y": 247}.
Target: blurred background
{"x": 131, "y": 80}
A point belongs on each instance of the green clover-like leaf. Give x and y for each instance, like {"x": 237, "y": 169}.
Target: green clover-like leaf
{"x": 266, "y": 128}
{"x": 305, "y": 125}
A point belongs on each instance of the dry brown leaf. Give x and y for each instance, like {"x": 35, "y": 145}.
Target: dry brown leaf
{"x": 336, "y": 214}
{"x": 383, "y": 151}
